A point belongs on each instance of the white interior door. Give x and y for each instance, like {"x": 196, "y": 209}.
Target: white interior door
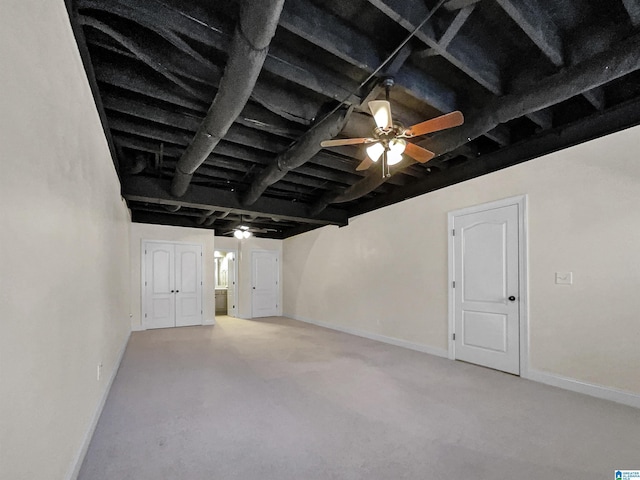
{"x": 486, "y": 292}
{"x": 232, "y": 308}
{"x": 159, "y": 285}
{"x": 264, "y": 284}
{"x": 172, "y": 279}
{"x": 188, "y": 268}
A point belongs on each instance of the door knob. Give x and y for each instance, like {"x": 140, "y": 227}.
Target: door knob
{"x": 512, "y": 298}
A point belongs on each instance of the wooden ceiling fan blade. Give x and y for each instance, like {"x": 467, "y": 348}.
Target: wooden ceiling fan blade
{"x": 419, "y": 154}
{"x": 442, "y": 122}
{"x": 346, "y": 141}
{"x": 381, "y": 111}
{"x": 365, "y": 164}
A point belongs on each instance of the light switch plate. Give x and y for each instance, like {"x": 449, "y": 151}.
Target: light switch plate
{"x": 564, "y": 278}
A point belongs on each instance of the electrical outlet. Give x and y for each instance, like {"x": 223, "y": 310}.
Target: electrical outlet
{"x": 564, "y": 278}
{"x": 99, "y": 371}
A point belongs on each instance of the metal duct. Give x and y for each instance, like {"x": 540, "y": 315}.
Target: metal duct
{"x": 249, "y": 46}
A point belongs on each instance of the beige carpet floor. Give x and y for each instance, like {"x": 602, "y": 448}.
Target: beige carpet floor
{"x": 278, "y": 399}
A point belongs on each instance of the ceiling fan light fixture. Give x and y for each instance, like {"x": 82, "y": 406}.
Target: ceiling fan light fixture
{"x": 381, "y": 111}
{"x": 375, "y": 151}
{"x": 242, "y": 232}
{"x": 397, "y": 145}
{"x": 394, "y": 157}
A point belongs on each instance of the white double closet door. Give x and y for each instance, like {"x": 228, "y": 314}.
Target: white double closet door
{"x": 172, "y": 281}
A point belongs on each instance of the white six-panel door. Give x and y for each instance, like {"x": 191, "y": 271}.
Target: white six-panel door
{"x": 265, "y": 289}
{"x": 172, "y": 279}
{"x": 159, "y": 290}
{"x": 188, "y": 285}
{"x": 486, "y": 293}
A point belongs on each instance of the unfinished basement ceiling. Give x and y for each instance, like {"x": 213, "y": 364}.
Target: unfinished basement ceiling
{"x": 530, "y": 76}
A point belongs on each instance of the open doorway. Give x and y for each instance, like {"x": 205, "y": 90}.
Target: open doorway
{"x": 226, "y": 275}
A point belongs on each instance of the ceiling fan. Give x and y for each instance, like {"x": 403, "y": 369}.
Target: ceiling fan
{"x": 388, "y": 139}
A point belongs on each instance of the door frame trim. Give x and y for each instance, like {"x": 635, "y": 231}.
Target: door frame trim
{"x": 143, "y": 276}
{"x": 523, "y": 259}
{"x": 278, "y": 255}
{"x": 236, "y": 263}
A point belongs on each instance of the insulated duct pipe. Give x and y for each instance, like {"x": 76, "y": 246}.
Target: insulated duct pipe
{"x": 299, "y": 153}
{"x": 248, "y": 50}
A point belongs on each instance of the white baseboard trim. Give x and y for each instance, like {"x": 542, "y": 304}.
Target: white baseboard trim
{"x": 75, "y": 470}
{"x": 439, "y": 352}
{"x": 606, "y": 393}
{"x": 138, "y": 328}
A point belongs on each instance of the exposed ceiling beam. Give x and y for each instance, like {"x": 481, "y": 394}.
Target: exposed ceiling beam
{"x": 326, "y": 161}
{"x": 596, "y": 98}
{"x": 453, "y": 5}
{"x": 462, "y": 53}
{"x": 278, "y": 61}
{"x": 237, "y": 134}
{"x": 252, "y": 116}
{"x": 151, "y": 190}
{"x": 139, "y": 51}
{"x": 452, "y": 30}
{"x": 633, "y": 9}
{"x": 594, "y": 72}
{"x": 533, "y": 19}
{"x": 597, "y": 125}
{"x": 93, "y": 81}
{"x": 134, "y": 81}
{"x": 299, "y": 153}
{"x": 321, "y": 28}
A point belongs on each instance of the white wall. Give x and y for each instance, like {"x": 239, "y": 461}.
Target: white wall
{"x": 245, "y": 248}
{"x": 196, "y": 236}
{"x": 386, "y": 273}
{"x": 64, "y": 247}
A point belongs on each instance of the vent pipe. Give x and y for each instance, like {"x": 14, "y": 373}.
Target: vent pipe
{"x": 248, "y": 50}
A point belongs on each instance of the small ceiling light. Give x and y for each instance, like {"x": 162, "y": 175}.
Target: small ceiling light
{"x": 242, "y": 232}
{"x": 396, "y": 147}
{"x": 374, "y": 151}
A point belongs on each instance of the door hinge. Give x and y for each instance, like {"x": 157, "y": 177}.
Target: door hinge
{"x": 145, "y": 283}
{"x": 145, "y": 315}
{"x": 453, "y": 284}
{"x": 453, "y": 232}
{"x": 145, "y": 252}
{"x": 454, "y": 336}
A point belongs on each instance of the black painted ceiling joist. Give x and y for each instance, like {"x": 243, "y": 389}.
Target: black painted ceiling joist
{"x": 572, "y": 81}
{"x": 156, "y": 191}
{"x": 155, "y": 67}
